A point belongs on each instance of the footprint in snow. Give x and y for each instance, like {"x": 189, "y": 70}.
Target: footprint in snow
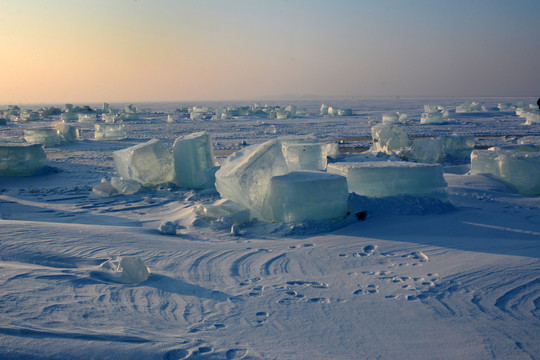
{"x": 236, "y": 354}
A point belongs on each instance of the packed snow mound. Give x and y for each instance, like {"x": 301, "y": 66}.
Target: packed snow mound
{"x": 126, "y": 270}
{"x": 21, "y": 159}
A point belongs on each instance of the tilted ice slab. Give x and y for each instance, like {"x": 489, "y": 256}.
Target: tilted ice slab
{"x": 391, "y": 178}
{"x": 194, "y": 161}
{"x": 244, "y": 177}
{"x": 109, "y": 131}
{"x": 46, "y": 136}
{"x": 519, "y": 168}
{"x": 21, "y": 159}
{"x": 149, "y": 163}
{"x": 387, "y": 137}
{"x": 302, "y": 195}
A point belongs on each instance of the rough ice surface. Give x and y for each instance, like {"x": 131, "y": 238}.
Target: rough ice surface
{"x": 307, "y": 156}
{"x": 109, "y": 131}
{"x": 387, "y": 137}
{"x": 149, "y": 163}
{"x": 244, "y": 177}
{"x": 126, "y": 187}
{"x": 21, "y": 159}
{"x": 432, "y": 118}
{"x": 126, "y": 269}
{"x": 519, "y": 168}
{"x": 46, "y": 136}
{"x": 302, "y": 195}
{"x": 223, "y": 208}
{"x": 392, "y": 178}
{"x": 194, "y": 161}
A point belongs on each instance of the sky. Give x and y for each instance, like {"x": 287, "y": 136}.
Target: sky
{"x": 57, "y": 51}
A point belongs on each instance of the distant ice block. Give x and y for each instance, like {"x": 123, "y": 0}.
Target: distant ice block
{"x": 87, "y": 117}
{"x": 532, "y": 117}
{"x": 324, "y": 109}
{"x": 111, "y": 118}
{"x": 21, "y": 159}
{"x": 109, "y": 132}
{"x": 127, "y": 270}
{"x": 345, "y": 112}
{"x": 223, "y": 208}
{"x": 532, "y": 139}
{"x": 391, "y": 178}
{"x": 432, "y": 118}
{"x": 390, "y": 118}
{"x": 430, "y": 109}
{"x": 149, "y": 163}
{"x": 67, "y": 132}
{"x": 244, "y": 177}
{"x": 504, "y": 106}
{"x": 194, "y": 161}
{"x": 126, "y": 187}
{"x": 333, "y": 111}
{"x": 307, "y": 156}
{"x": 469, "y": 107}
{"x": 302, "y": 195}
{"x": 46, "y": 136}
{"x": 427, "y": 150}
{"x": 69, "y": 116}
{"x": 388, "y": 137}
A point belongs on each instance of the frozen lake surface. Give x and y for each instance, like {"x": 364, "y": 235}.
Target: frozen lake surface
{"x": 414, "y": 278}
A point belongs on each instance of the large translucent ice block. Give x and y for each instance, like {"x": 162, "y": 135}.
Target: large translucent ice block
{"x": 46, "y": 136}
{"x": 391, "y": 178}
{"x": 302, "y": 195}
{"x": 388, "y": 137}
{"x": 244, "y": 177}
{"x": 427, "y": 150}
{"x": 522, "y": 170}
{"x": 21, "y": 159}
{"x": 87, "y": 118}
{"x": 109, "y": 131}
{"x": 67, "y": 132}
{"x": 457, "y": 146}
{"x": 305, "y": 156}
{"x": 432, "y": 118}
{"x": 149, "y": 163}
{"x": 194, "y": 160}
{"x": 485, "y": 162}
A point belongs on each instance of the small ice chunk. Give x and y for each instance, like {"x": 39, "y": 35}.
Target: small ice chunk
{"x": 305, "y": 156}
{"x": 126, "y": 187}
{"x": 235, "y": 229}
{"x": 105, "y": 189}
{"x": 418, "y": 255}
{"x": 388, "y": 137}
{"x": 427, "y": 150}
{"x": 168, "y": 228}
{"x": 109, "y": 132}
{"x": 21, "y": 159}
{"x": 345, "y": 112}
{"x": 46, "y": 136}
{"x": 149, "y": 163}
{"x": 194, "y": 161}
{"x": 303, "y": 195}
{"x": 211, "y": 212}
{"x": 391, "y": 178}
{"x": 126, "y": 270}
{"x": 244, "y": 177}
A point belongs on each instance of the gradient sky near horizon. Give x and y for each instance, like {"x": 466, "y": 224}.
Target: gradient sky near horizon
{"x": 57, "y": 51}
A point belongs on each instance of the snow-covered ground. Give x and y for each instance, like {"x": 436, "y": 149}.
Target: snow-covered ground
{"x": 416, "y": 278}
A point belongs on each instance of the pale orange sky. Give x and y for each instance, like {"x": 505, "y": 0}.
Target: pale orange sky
{"x": 118, "y": 50}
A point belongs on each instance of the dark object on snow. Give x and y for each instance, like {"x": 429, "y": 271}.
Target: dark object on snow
{"x": 361, "y": 215}
{"x": 538, "y": 103}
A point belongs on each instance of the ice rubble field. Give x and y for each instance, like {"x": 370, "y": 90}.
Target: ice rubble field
{"x": 413, "y": 278}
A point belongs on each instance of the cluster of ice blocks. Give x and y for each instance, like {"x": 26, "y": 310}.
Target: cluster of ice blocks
{"x": 433, "y": 114}
{"x": 333, "y": 111}
{"x": 392, "y": 178}
{"x": 21, "y": 159}
{"x": 109, "y": 131}
{"x": 264, "y": 178}
{"x": 519, "y": 166}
